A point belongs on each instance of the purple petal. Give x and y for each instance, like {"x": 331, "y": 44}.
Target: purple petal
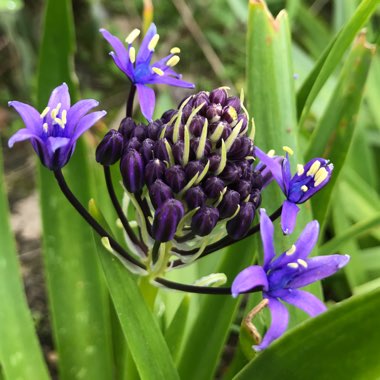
{"x": 78, "y": 110}
{"x": 317, "y": 269}
{"x": 305, "y": 301}
{"x": 279, "y": 323}
{"x": 273, "y": 165}
{"x": 57, "y": 142}
{"x": 87, "y": 122}
{"x": 266, "y": 232}
{"x": 248, "y": 279}
{"x": 120, "y": 55}
{"x": 147, "y": 100}
{"x": 288, "y": 217}
{"x": 60, "y": 95}
{"x": 286, "y": 173}
{"x": 144, "y": 53}
{"x": 29, "y": 115}
{"x": 21, "y": 135}
{"x": 166, "y": 79}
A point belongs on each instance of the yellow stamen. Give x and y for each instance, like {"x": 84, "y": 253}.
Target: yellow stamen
{"x": 313, "y": 168}
{"x": 288, "y": 150}
{"x": 45, "y": 127}
{"x": 172, "y": 61}
{"x": 158, "y": 71}
{"x": 132, "y": 36}
{"x": 304, "y": 188}
{"x": 300, "y": 169}
{"x": 302, "y": 262}
{"x": 59, "y": 122}
{"x": 293, "y": 265}
{"x": 55, "y": 111}
{"x": 271, "y": 153}
{"x": 320, "y": 176}
{"x": 132, "y": 54}
{"x": 45, "y": 112}
{"x": 153, "y": 42}
{"x": 291, "y": 250}
{"x": 175, "y": 50}
{"x": 64, "y": 116}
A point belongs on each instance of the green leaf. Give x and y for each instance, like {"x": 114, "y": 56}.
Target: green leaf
{"x": 20, "y": 353}
{"x": 78, "y": 298}
{"x": 331, "y": 58}
{"x": 342, "y": 343}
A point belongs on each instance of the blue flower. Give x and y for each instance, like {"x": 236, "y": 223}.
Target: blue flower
{"x": 281, "y": 277}
{"x": 138, "y": 67}
{"x": 54, "y": 132}
{"x": 298, "y": 189}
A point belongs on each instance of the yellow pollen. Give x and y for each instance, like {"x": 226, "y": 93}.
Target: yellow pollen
{"x": 303, "y": 263}
{"x": 132, "y": 54}
{"x": 300, "y": 169}
{"x": 293, "y": 265}
{"x": 313, "y": 168}
{"x": 304, "y": 188}
{"x": 45, "y": 112}
{"x": 45, "y": 127}
{"x": 271, "y": 153}
{"x": 288, "y": 150}
{"x": 153, "y": 42}
{"x": 291, "y": 250}
{"x": 172, "y": 61}
{"x": 64, "y": 116}
{"x": 175, "y": 50}
{"x": 320, "y": 176}
{"x": 132, "y": 36}
{"x": 55, "y": 111}
{"x": 158, "y": 71}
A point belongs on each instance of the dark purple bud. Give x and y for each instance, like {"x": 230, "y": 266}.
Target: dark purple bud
{"x": 186, "y": 111}
{"x": 243, "y": 188}
{"x": 195, "y": 197}
{"x": 204, "y": 220}
{"x": 255, "y": 198}
{"x": 231, "y": 173}
{"x": 214, "y": 161}
{"x": 242, "y": 147}
{"x": 154, "y": 169}
{"x": 159, "y": 192}
{"x": 239, "y": 226}
{"x": 139, "y": 132}
{"x": 243, "y": 117}
{"x": 160, "y": 151}
{"x": 214, "y": 112}
{"x": 127, "y": 126}
{"x": 169, "y": 132}
{"x": 110, "y": 148}
{"x": 154, "y": 129}
{"x": 223, "y": 130}
{"x": 175, "y": 178}
{"x": 246, "y": 169}
{"x": 187, "y": 100}
{"x": 177, "y": 150}
{"x": 257, "y": 180}
{"x": 230, "y": 114}
{"x": 200, "y": 98}
{"x": 146, "y": 149}
{"x": 166, "y": 220}
{"x": 133, "y": 143}
{"x": 229, "y": 204}
{"x": 194, "y": 143}
{"x": 196, "y": 125}
{"x": 132, "y": 171}
{"x": 234, "y": 102}
{"x": 168, "y": 115}
{"x": 192, "y": 168}
{"x": 213, "y": 186}
{"x": 218, "y": 96}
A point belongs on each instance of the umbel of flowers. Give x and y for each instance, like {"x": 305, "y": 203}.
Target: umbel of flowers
{"x": 194, "y": 180}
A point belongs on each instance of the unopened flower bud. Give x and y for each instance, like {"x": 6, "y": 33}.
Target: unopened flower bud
{"x": 132, "y": 171}
{"x": 218, "y": 96}
{"x": 195, "y": 197}
{"x": 204, "y": 220}
{"x": 196, "y": 125}
{"x": 257, "y": 180}
{"x": 219, "y": 129}
{"x": 159, "y": 192}
{"x": 166, "y": 220}
{"x": 194, "y": 144}
{"x": 229, "y": 204}
{"x": 168, "y": 115}
{"x": 243, "y": 117}
{"x": 127, "y": 126}
{"x": 213, "y": 186}
{"x": 231, "y": 173}
{"x": 177, "y": 150}
{"x": 139, "y": 132}
{"x": 230, "y": 115}
{"x": 192, "y": 168}
{"x": 133, "y": 143}
{"x": 234, "y": 102}
{"x": 146, "y": 149}
{"x": 241, "y": 148}
{"x": 154, "y": 129}
{"x": 243, "y": 188}
{"x": 200, "y": 98}
{"x": 154, "y": 169}
{"x": 175, "y": 178}
{"x": 214, "y": 161}
{"x": 214, "y": 112}
{"x": 255, "y": 198}
{"x": 160, "y": 151}
{"x": 110, "y": 148}
{"x": 240, "y": 224}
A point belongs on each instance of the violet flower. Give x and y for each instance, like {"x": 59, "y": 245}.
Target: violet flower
{"x": 54, "y": 133}
{"x": 309, "y": 179}
{"x": 281, "y": 277}
{"x": 138, "y": 67}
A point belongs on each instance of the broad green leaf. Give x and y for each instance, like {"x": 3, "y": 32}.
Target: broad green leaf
{"x": 331, "y": 57}
{"x": 78, "y": 297}
{"x": 342, "y": 343}
{"x": 337, "y": 126}
{"x": 20, "y": 353}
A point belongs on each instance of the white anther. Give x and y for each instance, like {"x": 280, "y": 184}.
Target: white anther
{"x": 132, "y": 36}
{"x": 153, "y": 42}
{"x": 313, "y": 168}
{"x": 291, "y": 250}
{"x": 45, "y": 112}
{"x": 45, "y": 127}
{"x": 302, "y": 262}
{"x": 300, "y": 169}
{"x": 173, "y": 61}
{"x": 293, "y": 265}
{"x": 158, "y": 71}
{"x": 320, "y": 176}
{"x": 132, "y": 54}
{"x": 288, "y": 150}
{"x": 304, "y": 188}
{"x": 175, "y": 50}
{"x": 271, "y": 153}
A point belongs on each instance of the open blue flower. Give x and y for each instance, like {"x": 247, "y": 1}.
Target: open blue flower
{"x": 54, "y": 132}
{"x": 280, "y": 277}
{"x": 140, "y": 71}
{"x": 309, "y": 179}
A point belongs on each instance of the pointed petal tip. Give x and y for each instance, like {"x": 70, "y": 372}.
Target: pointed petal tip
{"x": 345, "y": 260}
